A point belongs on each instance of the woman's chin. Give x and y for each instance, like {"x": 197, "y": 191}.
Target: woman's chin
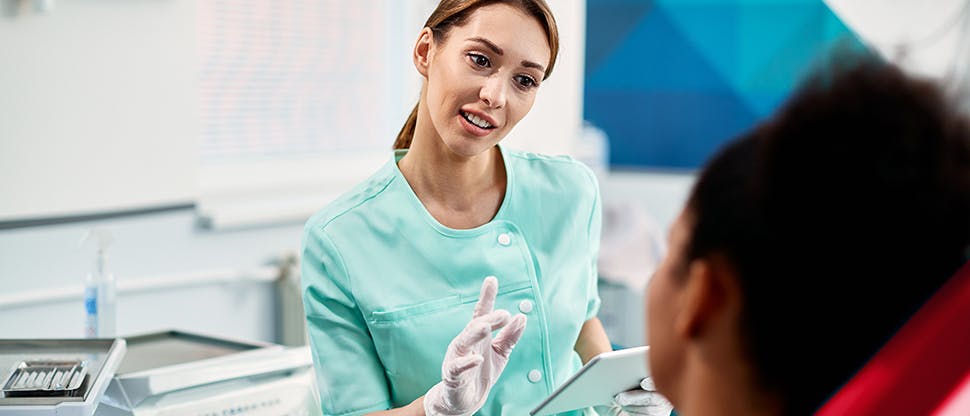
{"x": 470, "y": 147}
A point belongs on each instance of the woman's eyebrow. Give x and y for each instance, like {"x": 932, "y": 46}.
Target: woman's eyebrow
{"x": 498, "y": 51}
{"x": 530, "y": 64}
{"x": 489, "y": 44}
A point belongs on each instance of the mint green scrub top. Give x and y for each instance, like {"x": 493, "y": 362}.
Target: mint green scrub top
{"x": 386, "y": 287}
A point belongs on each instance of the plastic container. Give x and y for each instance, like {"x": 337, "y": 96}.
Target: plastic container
{"x": 99, "y": 290}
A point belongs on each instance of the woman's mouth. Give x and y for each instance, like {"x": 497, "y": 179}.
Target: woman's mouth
{"x": 476, "y": 121}
{"x": 475, "y": 125}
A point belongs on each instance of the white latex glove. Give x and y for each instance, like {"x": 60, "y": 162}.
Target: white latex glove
{"x": 474, "y": 359}
{"x": 645, "y": 401}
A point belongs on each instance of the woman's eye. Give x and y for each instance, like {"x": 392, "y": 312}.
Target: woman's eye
{"x": 525, "y": 81}
{"x": 480, "y": 60}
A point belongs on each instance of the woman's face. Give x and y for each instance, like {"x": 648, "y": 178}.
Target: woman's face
{"x": 482, "y": 79}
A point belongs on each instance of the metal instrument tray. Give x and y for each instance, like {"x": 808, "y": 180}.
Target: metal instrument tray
{"x": 46, "y": 378}
{"x": 158, "y": 350}
{"x": 97, "y": 360}
{"x": 169, "y": 361}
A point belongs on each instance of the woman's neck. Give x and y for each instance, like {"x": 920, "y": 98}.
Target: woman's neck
{"x": 722, "y": 387}
{"x": 460, "y": 192}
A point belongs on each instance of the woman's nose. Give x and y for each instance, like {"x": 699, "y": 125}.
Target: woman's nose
{"x": 494, "y": 92}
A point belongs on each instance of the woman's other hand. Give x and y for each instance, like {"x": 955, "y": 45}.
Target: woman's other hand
{"x": 642, "y": 401}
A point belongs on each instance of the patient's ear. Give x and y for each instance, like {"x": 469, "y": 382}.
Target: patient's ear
{"x": 711, "y": 293}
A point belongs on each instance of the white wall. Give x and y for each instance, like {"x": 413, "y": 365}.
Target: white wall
{"x": 926, "y": 38}
{"x": 97, "y": 106}
{"x": 170, "y": 275}
{"x": 42, "y": 261}
{"x": 98, "y": 113}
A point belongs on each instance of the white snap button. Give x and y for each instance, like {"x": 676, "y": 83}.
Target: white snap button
{"x": 504, "y": 239}
{"x": 525, "y": 306}
{"x": 535, "y": 376}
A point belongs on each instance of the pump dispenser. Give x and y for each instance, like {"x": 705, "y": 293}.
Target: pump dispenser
{"x": 99, "y": 288}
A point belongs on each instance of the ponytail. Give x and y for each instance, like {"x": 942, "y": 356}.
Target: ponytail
{"x": 403, "y": 140}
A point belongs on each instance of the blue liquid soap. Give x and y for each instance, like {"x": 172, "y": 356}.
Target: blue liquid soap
{"x": 99, "y": 293}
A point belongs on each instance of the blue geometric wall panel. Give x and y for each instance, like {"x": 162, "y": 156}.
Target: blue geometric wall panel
{"x": 671, "y": 80}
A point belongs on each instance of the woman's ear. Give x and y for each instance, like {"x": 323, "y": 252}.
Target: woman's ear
{"x": 712, "y": 293}
{"x": 423, "y": 50}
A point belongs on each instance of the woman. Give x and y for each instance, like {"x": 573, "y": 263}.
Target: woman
{"x": 392, "y": 271}
{"x": 808, "y": 242}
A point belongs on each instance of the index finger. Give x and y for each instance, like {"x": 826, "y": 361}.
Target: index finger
{"x": 486, "y": 300}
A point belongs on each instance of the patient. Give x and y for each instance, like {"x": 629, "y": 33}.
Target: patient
{"x": 821, "y": 230}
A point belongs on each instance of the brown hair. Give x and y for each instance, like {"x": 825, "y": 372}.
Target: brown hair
{"x": 451, "y": 13}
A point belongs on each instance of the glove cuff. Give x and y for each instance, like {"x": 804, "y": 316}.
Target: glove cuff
{"x": 433, "y": 404}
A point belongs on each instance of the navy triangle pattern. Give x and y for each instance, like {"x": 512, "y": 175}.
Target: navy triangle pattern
{"x": 669, "y": 129}
{"x": 624, "y": 17}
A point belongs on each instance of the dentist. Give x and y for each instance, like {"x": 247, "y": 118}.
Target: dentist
{"x": 407, "y": 275}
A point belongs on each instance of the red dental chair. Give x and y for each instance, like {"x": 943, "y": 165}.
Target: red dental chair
{"x": 924, "y": 369}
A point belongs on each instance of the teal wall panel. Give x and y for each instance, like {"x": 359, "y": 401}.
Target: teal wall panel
{"x": 670, "y": 80}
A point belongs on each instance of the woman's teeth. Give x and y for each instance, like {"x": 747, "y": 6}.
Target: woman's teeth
{"x": 476, "y": 120}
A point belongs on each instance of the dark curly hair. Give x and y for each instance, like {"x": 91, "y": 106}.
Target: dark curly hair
{"x": 842, "y": 214}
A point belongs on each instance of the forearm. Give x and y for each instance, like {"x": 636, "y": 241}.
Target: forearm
{"x": 415, "y": 408}
{"x": 592, "y": 340}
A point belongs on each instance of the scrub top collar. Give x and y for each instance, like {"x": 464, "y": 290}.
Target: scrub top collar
{"x": 452, "y": 232}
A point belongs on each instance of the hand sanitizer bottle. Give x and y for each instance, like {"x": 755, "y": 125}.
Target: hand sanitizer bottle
{"x": 99, "y": 290}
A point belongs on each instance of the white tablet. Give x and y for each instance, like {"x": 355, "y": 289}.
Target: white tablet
{"x": 598, "y": 381}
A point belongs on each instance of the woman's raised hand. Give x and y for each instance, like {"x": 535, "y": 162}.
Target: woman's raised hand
{"x": 475, "y": 359}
